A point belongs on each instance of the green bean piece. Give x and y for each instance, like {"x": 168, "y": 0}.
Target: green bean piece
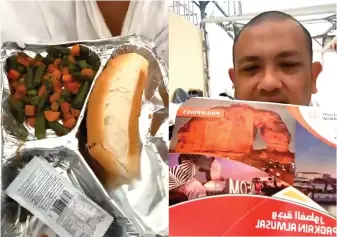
{"x": 17, "y": 104}
{"x": 40, "y": 126}
{"x": 65, "y": 61}
{"x": 35, "y": 100}
{"x": 57, "y": 51}
{"x": 84, "y": 50}
{"x": 38, "y": 57}
{"x": 48, "y": 82}
{"x": 81, "y": 95}
{"x": 19, "y": 115}
{"x": 63, "y": 50}
{"x": 38, "y": 75}
{"x": 32, "y": 92}
{"x": 29, "y": 78}
{"x": 72, "y": 68}
{"x": 11, "y": 63}
{"x": 65, "y": 93}
{"x": 26, "y": 99}
{"x": 21, "y": 68}
{"x": 58, "y": 128}
{"x": 44, "y": 99}
{"x": 48, "y": 59}
{"x": 94, "y": 61}
{"x": 82, "y": 64}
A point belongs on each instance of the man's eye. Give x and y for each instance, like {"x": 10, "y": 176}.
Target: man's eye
{"x": 289, "y": 64}
{"x": 250, "y": 68}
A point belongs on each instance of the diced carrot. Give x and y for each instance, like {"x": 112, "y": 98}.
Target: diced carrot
{"x": 52, "y": 116}
{"x": 51, "y": 68}
{"x": 56, "y": 74}
{"x": 54, "y": 97}
{"x": 23, "y": 61}
{"x": 42, "y": 90}
{"x": 71, "y": 59}
{"x": 67, "y": 78}
{"x": 57, "y": 62}
{"x": 56, "y": 83}
{"x": 75, "y": 50}
{"x": 22, "y": 89}
{"x": 65, "y": 70}
{"x": 29, "y": 110}
{"x": 57, "y": 88}
{"x": 55, "y": 106}
{"x": 75, "y": 112}
{"x": 18, "y": 95}
{"x": 73, "y": 87}
{"x": 13, "y": 75}
{"x": 31, "y": 121}
{"x": 87, "y": 72}
{"x": 30, "y": 59}
{"x": 65, "y": 107}
{"x": 67, "y": 116}
{"x": 69, "y": 123}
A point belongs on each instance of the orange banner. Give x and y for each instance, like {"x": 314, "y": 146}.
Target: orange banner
{"x": 200, "y": 112}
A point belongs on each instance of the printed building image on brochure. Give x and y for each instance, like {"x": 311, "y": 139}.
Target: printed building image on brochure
{"x": 242, "y": 149}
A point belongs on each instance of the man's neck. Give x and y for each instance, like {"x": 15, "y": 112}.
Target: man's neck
{"x": 114, "y": 13}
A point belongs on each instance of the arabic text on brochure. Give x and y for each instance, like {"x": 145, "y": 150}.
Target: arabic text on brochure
{"x": 297, "y": 222}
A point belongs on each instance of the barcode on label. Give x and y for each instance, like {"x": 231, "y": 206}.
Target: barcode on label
{"x": 61, "y": 203}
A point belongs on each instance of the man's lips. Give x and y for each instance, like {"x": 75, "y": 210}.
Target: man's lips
{"x": 273, "y": 100}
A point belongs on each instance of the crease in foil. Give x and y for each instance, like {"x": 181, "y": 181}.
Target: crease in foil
{"x": 145, "y": 202}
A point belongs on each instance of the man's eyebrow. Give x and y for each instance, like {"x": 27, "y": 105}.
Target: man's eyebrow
{"x": 288, "y": 54}
{"x": 248, "y": 59}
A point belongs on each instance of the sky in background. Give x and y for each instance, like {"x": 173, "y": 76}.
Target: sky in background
{"x": 220, "y": 54}
{"x": 313, "y": 155}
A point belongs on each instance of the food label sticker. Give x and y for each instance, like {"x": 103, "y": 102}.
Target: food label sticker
{"x": 51, "y": 198}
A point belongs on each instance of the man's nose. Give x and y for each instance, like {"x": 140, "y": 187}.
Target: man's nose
{"x": 269, "y": 81}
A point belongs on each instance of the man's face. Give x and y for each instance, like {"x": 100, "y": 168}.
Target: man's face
{"x": 273, "y": 64}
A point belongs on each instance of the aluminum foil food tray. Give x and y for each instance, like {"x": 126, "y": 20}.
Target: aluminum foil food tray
{"x": 135, "y": 215}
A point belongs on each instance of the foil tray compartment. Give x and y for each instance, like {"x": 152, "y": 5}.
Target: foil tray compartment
{"x": 42, "y": 50}
{"x": 16, "y": 221}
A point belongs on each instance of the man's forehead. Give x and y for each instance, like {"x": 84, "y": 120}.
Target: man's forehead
{"x": 287, "y": 35}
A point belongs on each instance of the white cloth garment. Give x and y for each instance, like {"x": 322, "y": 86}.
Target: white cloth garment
{"x": 59, "y": 21}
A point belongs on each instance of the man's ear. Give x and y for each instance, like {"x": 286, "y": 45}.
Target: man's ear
{"x": 231, "y": 74}
{"x": 316, "y": 69}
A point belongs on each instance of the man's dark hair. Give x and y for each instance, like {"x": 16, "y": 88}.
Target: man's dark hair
{"x": 275, "y": 15}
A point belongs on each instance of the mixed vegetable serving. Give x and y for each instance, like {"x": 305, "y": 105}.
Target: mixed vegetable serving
{"x": 49, "y": 92}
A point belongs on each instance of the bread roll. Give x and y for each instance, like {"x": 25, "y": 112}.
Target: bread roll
{"x": 112, "y": 121}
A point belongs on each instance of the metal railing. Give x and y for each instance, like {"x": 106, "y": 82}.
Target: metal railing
{"x": 188, "y": 10}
